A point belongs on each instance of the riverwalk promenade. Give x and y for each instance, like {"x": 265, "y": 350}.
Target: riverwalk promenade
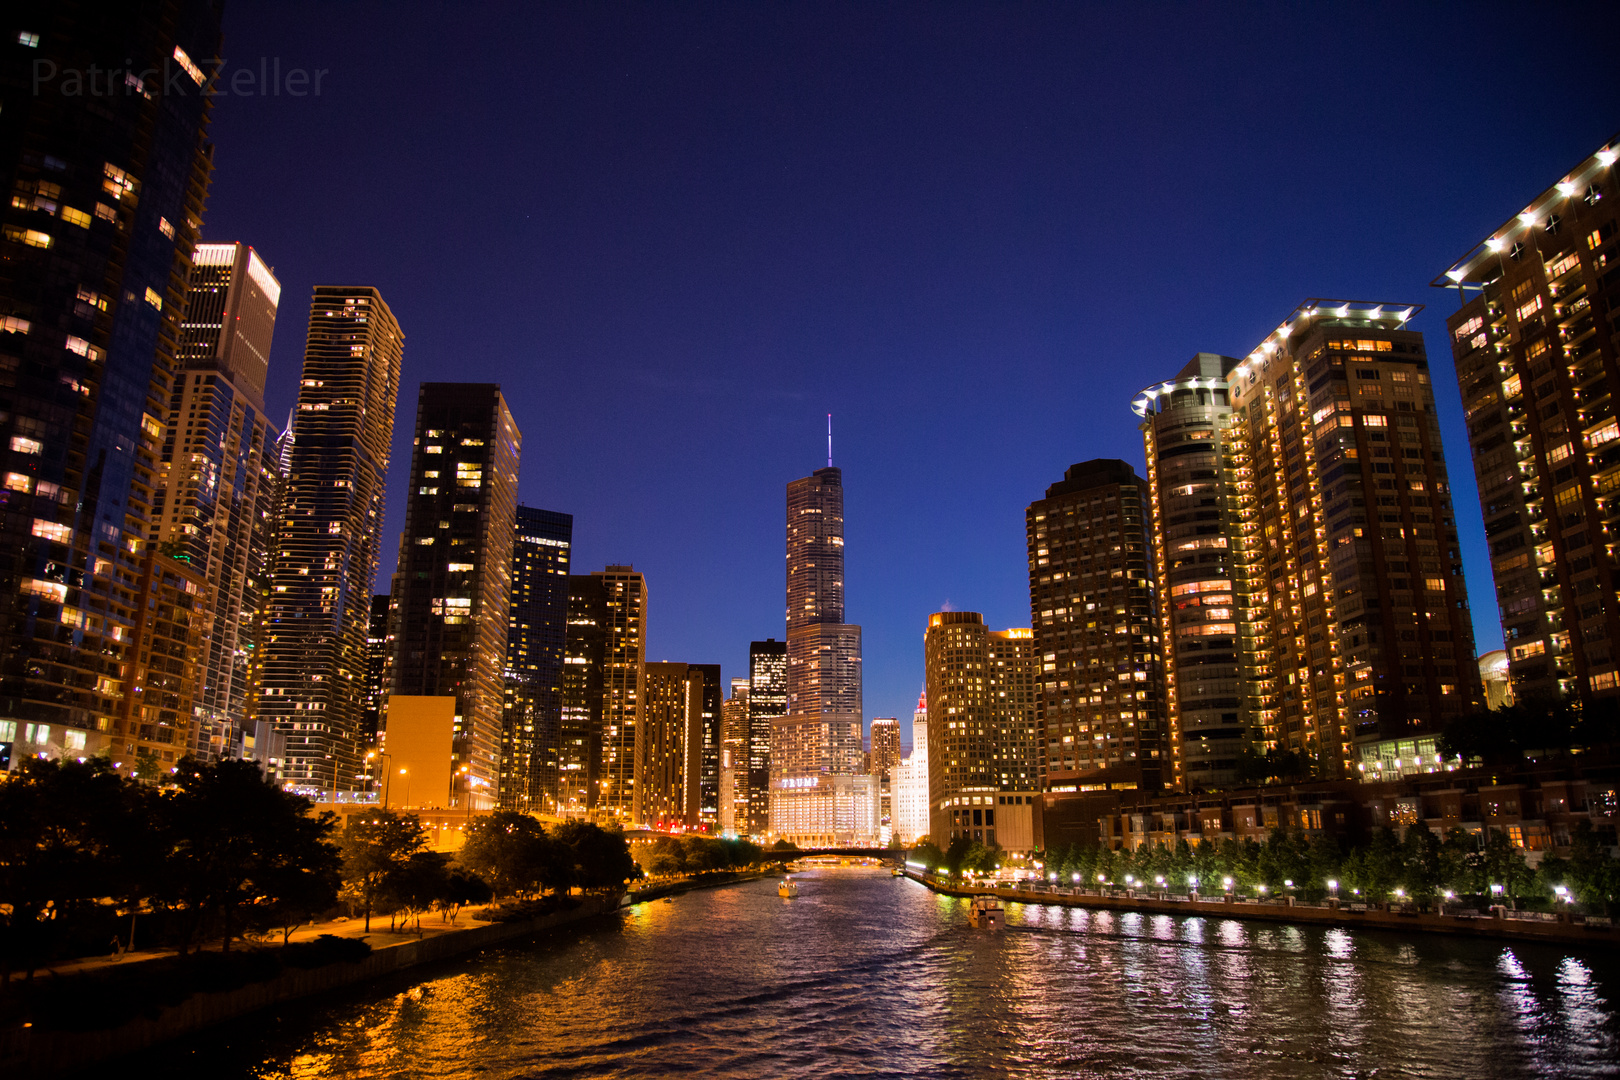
{"x": 1499, "y": 923}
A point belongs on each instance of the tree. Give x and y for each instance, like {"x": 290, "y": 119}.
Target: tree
{"x": 1423, "y": 867}
{"x": 927, "y": 854}
{"x": 512, "y": 852}
{"x": 601, "y": 857}
{"x": 414, "y": 887}
{"x": 1593, "y": 875}
{"x": 375, "y": 844}
{"x": 66, "y": 836}
{"x": 297, "y": 890}
{"x": 234, "y": 837}
{"x": 1501, "y": 862}
{"x": 462, "y": 887}
{"x": 667, "y": 858}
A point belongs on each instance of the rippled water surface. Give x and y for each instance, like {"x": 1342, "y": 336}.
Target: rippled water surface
{"x": 868, "y": 975}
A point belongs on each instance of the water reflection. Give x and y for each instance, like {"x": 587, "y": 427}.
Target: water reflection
{"x": 866, "y": 975}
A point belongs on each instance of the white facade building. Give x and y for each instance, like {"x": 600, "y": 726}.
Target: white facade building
{"x": 909, "y": 788}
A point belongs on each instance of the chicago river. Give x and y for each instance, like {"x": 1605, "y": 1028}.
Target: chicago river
{"x": 864, "y": 974}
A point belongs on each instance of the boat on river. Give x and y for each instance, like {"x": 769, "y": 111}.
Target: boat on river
{"x": 986, "y": 914}
{"x": 787, "y": 888}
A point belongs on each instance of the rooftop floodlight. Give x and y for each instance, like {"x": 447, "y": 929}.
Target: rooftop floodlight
{"x": 1456, "y": 275}
{"x": 1566, "y": 189}
{"x": 1494, "y": 244}
{"x": 1606, "y": 157}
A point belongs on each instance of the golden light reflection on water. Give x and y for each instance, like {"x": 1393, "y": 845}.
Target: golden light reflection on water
{"x": 866, "y": 974}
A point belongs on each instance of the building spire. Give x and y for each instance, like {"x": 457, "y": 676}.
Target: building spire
{"x": 829, "y": 440}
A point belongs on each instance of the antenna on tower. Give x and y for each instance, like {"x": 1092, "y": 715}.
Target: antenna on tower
{"x": 829, "y": 440}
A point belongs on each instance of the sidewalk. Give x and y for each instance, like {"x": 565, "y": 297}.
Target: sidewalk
{"x": 379, "y": 938}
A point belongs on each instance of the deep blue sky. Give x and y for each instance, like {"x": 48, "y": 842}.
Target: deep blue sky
{"x": 681, "y": 234}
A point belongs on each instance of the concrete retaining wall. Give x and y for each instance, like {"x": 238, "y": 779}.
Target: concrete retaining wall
{"x": 1563, "y": 933}
{"x": 31, "y": 1052}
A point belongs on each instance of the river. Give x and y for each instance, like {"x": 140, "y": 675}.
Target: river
{"x": 868, "y": 975}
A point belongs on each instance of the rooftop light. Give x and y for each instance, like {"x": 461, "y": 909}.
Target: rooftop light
{"x": 1606, "y": 157}
{"x": 1456, "y": 275}
{"x": 1494, "y": 244}
{"x": 1528, "y": 217}
{"x": 1566, "y": 189}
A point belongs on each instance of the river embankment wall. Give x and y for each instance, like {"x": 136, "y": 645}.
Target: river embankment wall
{"x": 1510, "y": 925}
{"x": 38, "y": 1051}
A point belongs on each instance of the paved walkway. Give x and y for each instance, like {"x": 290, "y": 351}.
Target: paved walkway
{"x": 379, "y": 937}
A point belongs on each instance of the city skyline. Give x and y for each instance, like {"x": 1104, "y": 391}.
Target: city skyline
{"x": 1049, "y": 309}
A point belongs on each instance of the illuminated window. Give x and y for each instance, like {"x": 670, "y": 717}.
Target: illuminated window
{"x": 46, "y": 590}
{"x": 28, "y": 40}
{"x": 153, "y": 298}
{"x": 185, "y": 62}
{"x": 18, "y": 482}
{"x": 165, "y": 228}
{"x": 31, "y": 237}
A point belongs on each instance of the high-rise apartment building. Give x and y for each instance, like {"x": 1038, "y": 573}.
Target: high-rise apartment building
{"x": 159, "y": 714}
{"x": 219, "y": 478}
{"x": 325, "y": 562}
{"x": 1538, "y": 364}
{"x": 453, "y": 586}
{"x": 669, "y": 742}
{"x": 536, "y": 635}
{"x": 733, "y": 816}
{"x": 767, "y": 702}
{"x": 1092, "y": 607}
{"x": 820, "y": 737}
{"x": 1198, "y": 479}
{"x": 885, "y": 744}
{"x": 984, "y": 733}
{"x": 379, "y": 649}
{"x": 711, "y": 703}
{"x": 624, "y": 610}
{"x": 881, "y": 759}
{"x": 1345, "y": 538}
{"x": 105, "y": 207}
{"x": 579, "y": 732}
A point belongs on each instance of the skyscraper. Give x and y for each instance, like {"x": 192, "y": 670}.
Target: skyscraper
{"x": 452, "y": 590}
{"x": 159, "y": 714}
{"x": 379, "y": 647}
{"x": 910, "y": 785}
{"x": 984, "y": 735}
{"x": 1092, "y": 609}
{"x": 106, "y": 205}
{"x": 624, "y": 687}
{"x": 708, "y": 758}
{"x": 319, "y": 611}
{"x": 733, "y": 818}
{"x": 669, "y": 747}
{"x": 219, "y": 478}
{"x": 537, "y": 630}
{"x": 1538, "y": 366}
{"x": 881, "y": 761}
{"x": 820, "y": 737}
{"x": 1198, "y": 477}
{"x": 579, "y": 735}
{"x": 885, "y": 744}
{"x": 1363, "y": 647}
{"x": 767, "y": 702}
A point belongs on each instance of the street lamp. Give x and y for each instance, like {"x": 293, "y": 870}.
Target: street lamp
{"x": 406, "y": 774}
{"x": 1333, "y": 887}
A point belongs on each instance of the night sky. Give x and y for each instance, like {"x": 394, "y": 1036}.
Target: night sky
{"x": 679, "y": 235}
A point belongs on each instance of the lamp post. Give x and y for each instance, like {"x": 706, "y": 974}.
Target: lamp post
{"x": 407, "y": 775}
